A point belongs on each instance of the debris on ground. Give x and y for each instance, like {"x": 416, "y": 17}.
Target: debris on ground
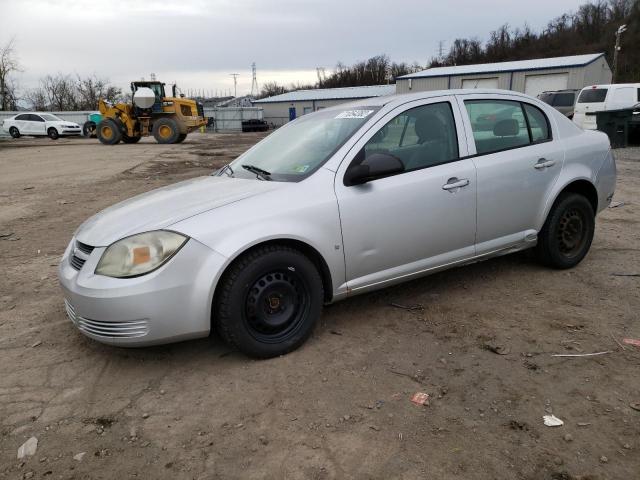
{"x": 552, "y": 421}
{"x": 498, "y": 349}
{"x": 28, "y": 448}
{"x": 635, "y": 406}
{"x": 626, "y": 274}
{"x": 616, "y": 204}
{"x": 36, "y": 344}
{"x": 420, "y": 398}
{"x": 417, "y": 306}
{"x": 580, "y": 354}
{"x": 79, "y": 456}
{"x": 631, "y": 341}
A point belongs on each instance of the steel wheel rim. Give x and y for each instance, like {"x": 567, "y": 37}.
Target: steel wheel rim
{"x": 276, "y": 305}
{"x": 571, "y": 232}
{"x": 165, "y": 131}
{"x": 107, "y": 132}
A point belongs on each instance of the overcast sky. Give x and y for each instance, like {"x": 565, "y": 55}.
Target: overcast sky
{"x": 198, "y": 43}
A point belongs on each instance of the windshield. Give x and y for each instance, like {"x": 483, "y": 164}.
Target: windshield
{"x": 593, "y": 95}
{"x": 296, "y": 150}
{"x": 50, "y": 118}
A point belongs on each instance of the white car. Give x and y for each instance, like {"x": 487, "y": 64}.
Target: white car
{"x": 40, "y": 124}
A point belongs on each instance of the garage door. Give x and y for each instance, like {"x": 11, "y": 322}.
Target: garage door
{"x": 480, "y": 82}
{"x": 534, "y": 85}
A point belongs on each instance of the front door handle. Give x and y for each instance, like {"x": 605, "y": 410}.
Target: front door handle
{"x": 544, "y": 163}
{"x": 454, "y": 183}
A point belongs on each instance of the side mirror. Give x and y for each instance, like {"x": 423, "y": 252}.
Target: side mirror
{"x": 378, "y": 165}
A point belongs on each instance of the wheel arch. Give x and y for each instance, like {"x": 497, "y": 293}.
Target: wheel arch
{"x": 309, "y": 251}
{"x": 583, "y": 187}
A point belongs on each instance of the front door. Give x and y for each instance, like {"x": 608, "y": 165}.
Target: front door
{"x": 517, "y": 163}
{"x": 37, "y": 125}
{"x": 413, "y": 221}
{"x": 292, "y": 113}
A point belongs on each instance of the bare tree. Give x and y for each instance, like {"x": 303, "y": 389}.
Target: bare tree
{"x": 37, "y": 99}
{"x": 91, "y": 89}
{"x": 60, "y": 91}
{"x": 9, "y": 64}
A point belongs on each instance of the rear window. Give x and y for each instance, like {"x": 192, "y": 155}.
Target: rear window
{"x": 563, "y": 100}
{"x": 547, "y": 98}
{"x": 593, "y": 95}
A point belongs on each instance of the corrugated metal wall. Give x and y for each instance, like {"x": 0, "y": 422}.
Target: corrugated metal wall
{"x": 277, "y": 114}
{"x": 579, "y": 77}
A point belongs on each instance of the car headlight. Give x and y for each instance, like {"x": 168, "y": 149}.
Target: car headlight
{"x": 139, "y": 254}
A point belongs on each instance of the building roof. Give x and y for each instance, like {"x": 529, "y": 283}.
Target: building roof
{"x": 345, "y": 93}
{"x": 519, "y": 65}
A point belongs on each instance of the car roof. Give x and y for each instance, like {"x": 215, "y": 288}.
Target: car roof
{"x": 408, "y": 97}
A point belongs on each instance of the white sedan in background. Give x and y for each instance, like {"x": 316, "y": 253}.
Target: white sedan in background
{"x": 39, "y": 124}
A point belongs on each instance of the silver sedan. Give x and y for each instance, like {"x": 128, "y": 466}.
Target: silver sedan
{"x": 338, "y": 202}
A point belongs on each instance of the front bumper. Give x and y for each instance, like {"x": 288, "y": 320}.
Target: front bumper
{"x": 167, "y": 305}
{"x": 71, "y": 131}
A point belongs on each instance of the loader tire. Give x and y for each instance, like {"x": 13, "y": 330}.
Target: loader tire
{"x": 165, "y": 130}
{"x": 109, "y": 132}
{"x": 181, "y": 137}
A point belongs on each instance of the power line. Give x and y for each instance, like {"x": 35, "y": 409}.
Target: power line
{"x": 235, "y": 83}
{"x": 254, "y": 81}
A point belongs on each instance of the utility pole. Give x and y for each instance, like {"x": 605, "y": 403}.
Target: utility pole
{"x": 619, "y": 32}
{"x": 254, "y": 81}
{"x": 235, "y": 83}
{"x": 441, "y": 50}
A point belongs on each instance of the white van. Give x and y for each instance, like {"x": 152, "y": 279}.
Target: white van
{"x": 597, "y": 98}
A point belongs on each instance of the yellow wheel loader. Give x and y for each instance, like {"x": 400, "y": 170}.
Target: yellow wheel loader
{"x": 168, "y": 119}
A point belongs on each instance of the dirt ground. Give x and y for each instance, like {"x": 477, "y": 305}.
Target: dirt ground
{"x": 340, "y": 406}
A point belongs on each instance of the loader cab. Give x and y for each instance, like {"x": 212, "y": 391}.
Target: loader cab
{"x": 158, "y": 89}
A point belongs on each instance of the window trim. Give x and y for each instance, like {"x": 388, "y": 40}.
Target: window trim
{"x": 524, "y": 112}
{"x": 455, "y": 130}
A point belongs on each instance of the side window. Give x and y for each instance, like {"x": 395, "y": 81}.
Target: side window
{"x": 564, "y": 100}
{"x": 23, "y": 117}
{"x": 35, "y": 118}
{"x": 538, "y": 123}
{"x": 497, "y": 125}
{"x": 421, "y": 137}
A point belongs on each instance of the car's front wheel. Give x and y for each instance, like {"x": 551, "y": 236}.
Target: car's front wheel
{"x": 268, "y": 301}
{"x": 14, "y": 132}
{"x": 53, "y": 133}
{"x": 567, "y": 233}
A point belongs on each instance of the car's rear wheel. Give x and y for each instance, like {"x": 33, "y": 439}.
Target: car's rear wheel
{"x": 53, "y": 133}
{"x": 14, "y": 132}
{"x": 567, "y": 233}
{"x": 268, "y": 301}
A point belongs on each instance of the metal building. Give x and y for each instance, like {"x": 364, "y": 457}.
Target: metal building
{"x": 528, "y": 76}
{"x": 280, "y": 109}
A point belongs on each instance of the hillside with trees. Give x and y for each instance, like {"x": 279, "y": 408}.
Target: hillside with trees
{"x": 591, "y": 29}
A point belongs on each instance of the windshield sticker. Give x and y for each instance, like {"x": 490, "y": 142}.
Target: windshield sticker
{"x": 300, "y": 168}
{"x": 354, "y": 114}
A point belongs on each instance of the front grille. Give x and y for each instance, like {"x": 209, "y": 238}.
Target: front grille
{"x": 80, "y": 255}
{"x": 130, "y": 329}
{"x": 84, "y": 248}
{"x": 76, "y": 262}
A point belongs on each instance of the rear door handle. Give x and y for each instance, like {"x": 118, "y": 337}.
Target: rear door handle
{"x": 544, "y": 163}
{"x": 454, "y": 183}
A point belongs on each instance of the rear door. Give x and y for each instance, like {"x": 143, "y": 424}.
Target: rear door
{"x": 517, "y": 162}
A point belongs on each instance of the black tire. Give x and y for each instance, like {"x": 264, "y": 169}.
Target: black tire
{"x": 109, "y": 132}
{"x": 53, "y": 133}
{"x": 567, "y": 233}
{"x": 89, "y": 129}
{"x": 14, "y": 132}
{"x": 181, "y": 137}
{"x": 165, "y": 130}
{"x": 268, "y": 301}
{"x": 127, "y": 139}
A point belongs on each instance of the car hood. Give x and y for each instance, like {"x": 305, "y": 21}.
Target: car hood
{"x": 165, "y": 206}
